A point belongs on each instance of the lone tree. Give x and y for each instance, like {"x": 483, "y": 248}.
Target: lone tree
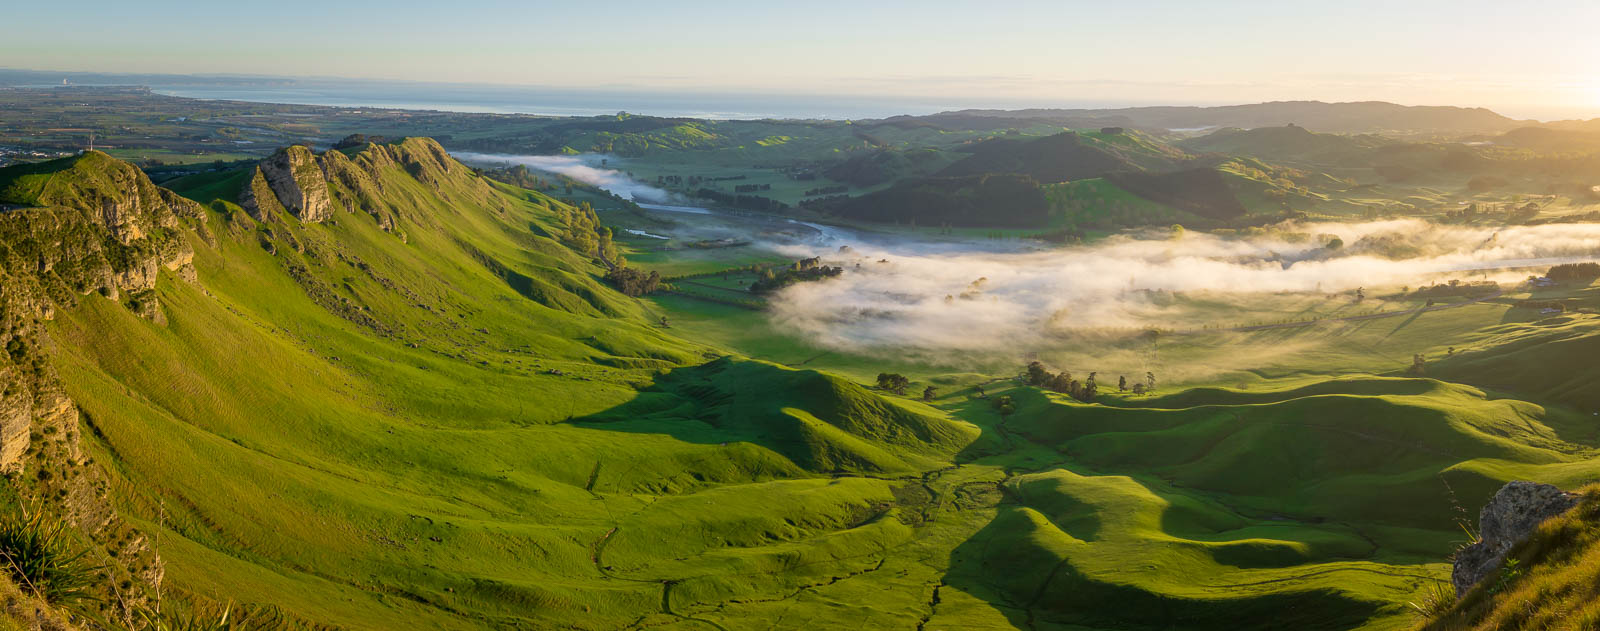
{"x": 928, "y": 393}
{"x": 1418, "y": 364}
{"x": 1122, "y": 383}
{"x": 893, "y": 382}
{"x": 1150, "y": 382}
{"x": 1004, "y": 405}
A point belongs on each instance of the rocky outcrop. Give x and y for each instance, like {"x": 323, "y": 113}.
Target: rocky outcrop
{"x": 127, "y": 203}
{"x": 97, "y": 227}
{"x": 294, "y": 181}
{"x": 1515, "y": 511}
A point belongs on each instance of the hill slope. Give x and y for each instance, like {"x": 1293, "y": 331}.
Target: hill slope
{"x": 371, "y": 389}
{"x": 382, "y": 398}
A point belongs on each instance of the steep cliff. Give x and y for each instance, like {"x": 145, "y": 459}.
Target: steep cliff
{"x": 88, "y": 227}
{"x": 295, "y": 178}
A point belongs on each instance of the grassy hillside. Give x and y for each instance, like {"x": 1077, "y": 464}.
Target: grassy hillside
{"x": 428, "y": 411}
{"x": 373, "y": 425}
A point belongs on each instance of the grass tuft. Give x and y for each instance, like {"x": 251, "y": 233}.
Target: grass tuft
{"x": 40, "y": 558}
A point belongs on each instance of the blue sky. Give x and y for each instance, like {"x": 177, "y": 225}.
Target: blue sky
{"x": 1529, "y": 58}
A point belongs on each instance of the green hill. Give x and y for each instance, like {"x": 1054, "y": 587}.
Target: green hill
{"x": 1289, "y": 142}
{"x": 1063, "y": 157}
{"x": 372, "y": 389}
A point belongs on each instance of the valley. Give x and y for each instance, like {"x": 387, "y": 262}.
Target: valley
{"x": 306, "y": 367}
{"x": 444, "y": 417}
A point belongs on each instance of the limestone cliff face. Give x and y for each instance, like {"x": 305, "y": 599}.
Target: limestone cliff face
{"x": 293, "y": 179}
{"x": 97, "y": 226}
{"x": 1514, "y": 512}
{"x": 94, "y": 228}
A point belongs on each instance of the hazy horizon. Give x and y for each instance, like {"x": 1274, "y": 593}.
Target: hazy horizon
{"x": 1019, "y": 55}
{"x": 713, "y": 104}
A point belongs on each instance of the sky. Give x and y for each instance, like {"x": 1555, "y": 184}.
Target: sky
{"x": 1531, "y": 59}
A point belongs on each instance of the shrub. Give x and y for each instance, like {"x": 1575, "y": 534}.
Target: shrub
{"x": 39, "y": 557}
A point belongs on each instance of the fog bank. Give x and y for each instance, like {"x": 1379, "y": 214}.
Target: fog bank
{"x": 912, "y": 299}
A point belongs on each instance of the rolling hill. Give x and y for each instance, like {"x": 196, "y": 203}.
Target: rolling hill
{"x": 372, "y": 389}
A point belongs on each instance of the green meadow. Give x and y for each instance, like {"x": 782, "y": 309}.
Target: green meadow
{"x": 454, "y": 423}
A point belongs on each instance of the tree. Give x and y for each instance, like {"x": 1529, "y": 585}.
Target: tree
{"x": 634, "y": 282}
{"x": 893, "y": 382}
{"x": 1150, "y": 382}
{"x": 1138, "y": 389}
{"x": 1037, "y": 375}
{"x": 1004, "y": 405}
{"x": 1062, "y": 383}
{"x": 1418, "y": 364}
{"x": 928, "y": 393}
{"x": 1122, "y": 383}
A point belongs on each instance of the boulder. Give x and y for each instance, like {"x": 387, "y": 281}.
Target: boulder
{"x": 1515, "y": 511}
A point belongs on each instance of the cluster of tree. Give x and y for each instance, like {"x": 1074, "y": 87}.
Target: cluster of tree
{"x": 1457, "y": 288}
{"x": 581, "y": 231}
{"x": 633, "y": 282}
{"x": 803, "y": 270}
{"x": 827, "y": 190}
{"x": 746, "y": 202}
{"x": 1574, "y": 272}
{"x": 1063, "y": 382}
{"x": 1040, "y": 376}
{"x": 894, "y": 382}
{"x": 751, "y": 188}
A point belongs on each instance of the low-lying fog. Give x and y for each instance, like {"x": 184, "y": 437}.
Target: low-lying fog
{"x": 586, "y": 168}
{"x": 933, "y": 295}
{"x": 906, "y": 298}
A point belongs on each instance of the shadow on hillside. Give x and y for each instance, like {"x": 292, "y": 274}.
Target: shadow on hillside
{"x": 1016, "y": 564}
{"x": 816, "y": 422}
